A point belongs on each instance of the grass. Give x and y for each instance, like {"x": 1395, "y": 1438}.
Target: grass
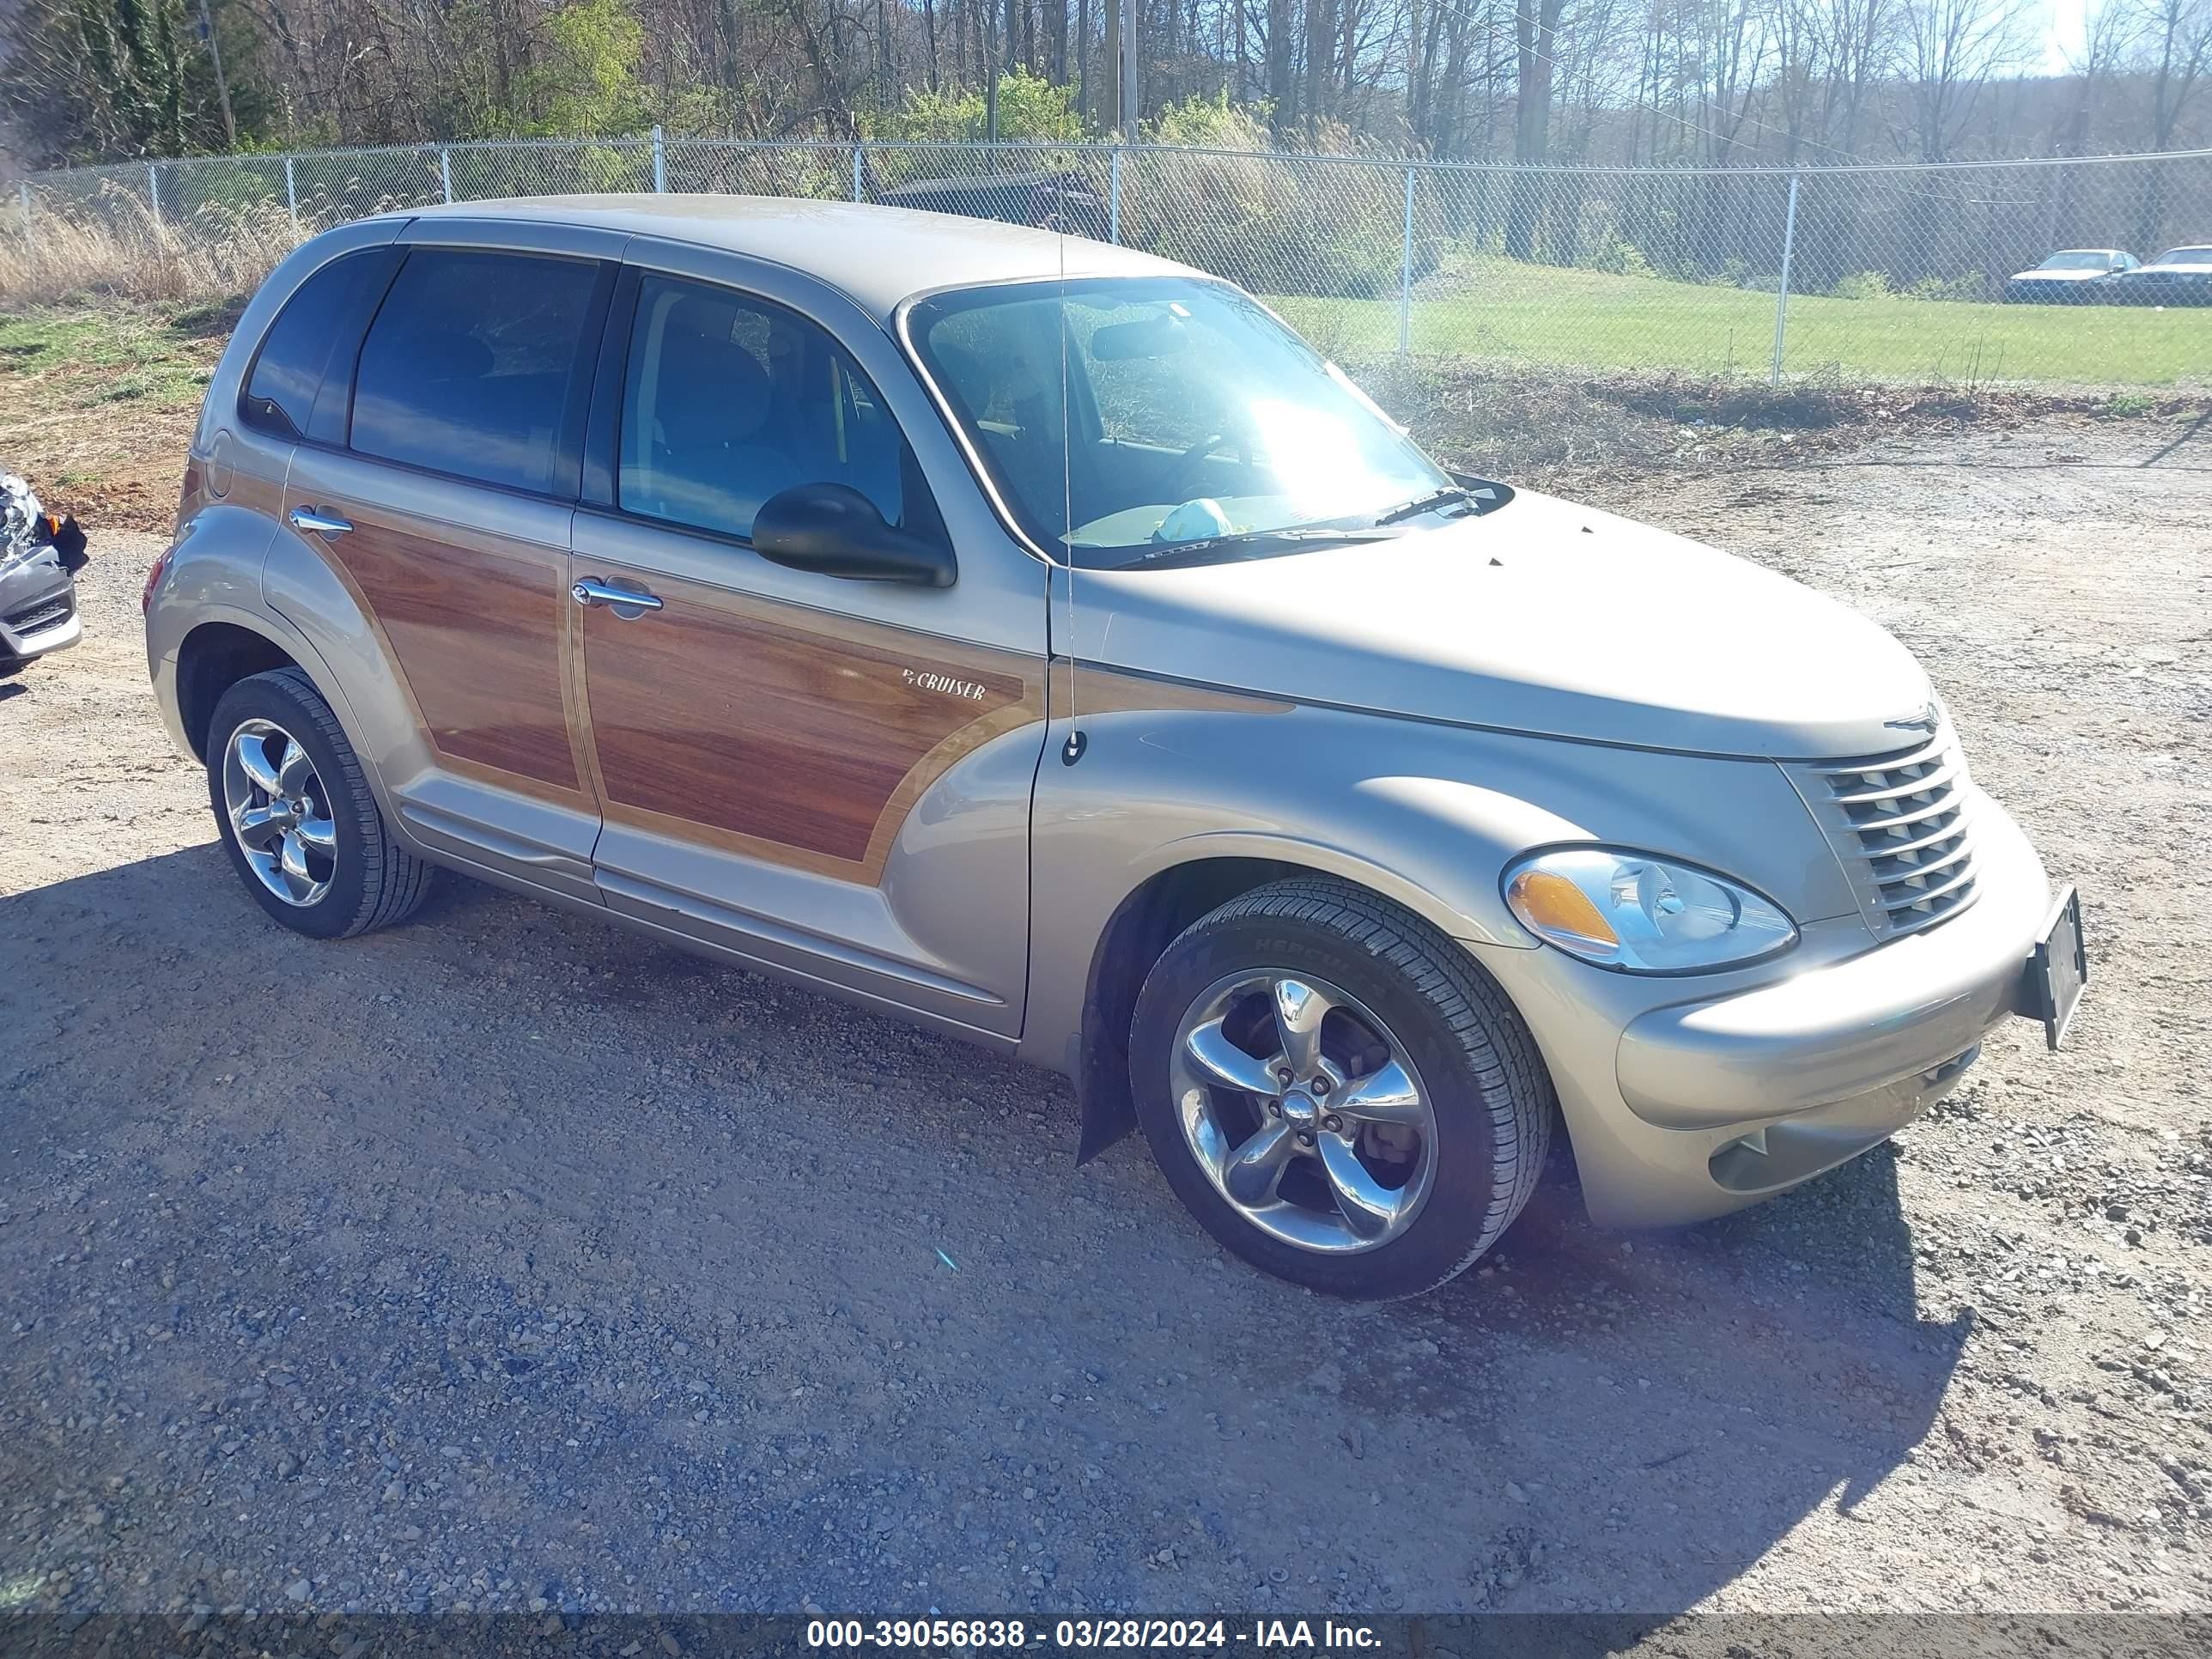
{"x": 98, "y": 398}
{"x": 1501, "y": 312}
{"x": 87, "y": 355}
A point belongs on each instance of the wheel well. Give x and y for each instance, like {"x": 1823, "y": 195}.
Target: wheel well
{"x": 1144, "y": 925}
{"x": 214, "y": 657}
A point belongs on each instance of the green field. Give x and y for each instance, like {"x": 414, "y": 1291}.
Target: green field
{"x": 1505, "y": 311}
{"x": 88, "y": 355}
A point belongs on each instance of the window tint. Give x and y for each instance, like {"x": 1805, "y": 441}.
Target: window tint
{"x": 474, "y": 365}
{"x": 289, "y": 369}
{"x": 726, "y": 402}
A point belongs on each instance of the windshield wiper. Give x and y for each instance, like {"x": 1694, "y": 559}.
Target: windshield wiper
{"x": 1242, "y": 543}
{"x": 1450, "y": 495}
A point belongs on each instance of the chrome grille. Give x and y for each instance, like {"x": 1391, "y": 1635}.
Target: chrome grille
{"x": 1898, "y": 822}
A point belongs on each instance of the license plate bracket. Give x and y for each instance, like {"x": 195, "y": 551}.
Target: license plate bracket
{"x": 2057, "y": 970}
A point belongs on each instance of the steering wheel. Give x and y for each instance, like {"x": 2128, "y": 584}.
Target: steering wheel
{"x": 1181, "y": 480}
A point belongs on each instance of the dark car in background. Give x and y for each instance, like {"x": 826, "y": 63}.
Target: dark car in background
{"x": 2179, "y": 277}
{"x": 2071, "y": 276}
{"x": 1047, "y": 200}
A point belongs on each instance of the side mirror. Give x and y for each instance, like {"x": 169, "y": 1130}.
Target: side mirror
{"x": 837, "y": 531}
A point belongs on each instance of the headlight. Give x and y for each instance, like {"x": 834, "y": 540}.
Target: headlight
{"x": 1641, "y": 914}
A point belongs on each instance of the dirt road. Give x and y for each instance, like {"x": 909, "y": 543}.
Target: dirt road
{"x": 504, "y": 1261}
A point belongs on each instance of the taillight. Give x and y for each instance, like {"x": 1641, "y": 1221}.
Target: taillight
{"x": 154, "y": 580}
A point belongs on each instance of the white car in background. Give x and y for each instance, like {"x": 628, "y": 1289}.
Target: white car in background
{"x": 2072, "y": 276}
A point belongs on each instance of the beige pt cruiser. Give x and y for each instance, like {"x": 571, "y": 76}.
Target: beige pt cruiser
{"x": 1039, "y": 641}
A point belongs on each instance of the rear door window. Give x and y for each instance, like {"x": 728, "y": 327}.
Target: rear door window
{"x": 289, "y": 369}
{"x": 476, "y": 366}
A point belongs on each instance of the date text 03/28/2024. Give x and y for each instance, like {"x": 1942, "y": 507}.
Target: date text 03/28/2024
{"x": 1258, "y": 1636}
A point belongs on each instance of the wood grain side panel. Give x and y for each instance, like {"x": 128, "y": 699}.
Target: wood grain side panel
{"x": 784, "y": 734}
{"x": 478, "y": 634}
{"x": 255, "y": 495}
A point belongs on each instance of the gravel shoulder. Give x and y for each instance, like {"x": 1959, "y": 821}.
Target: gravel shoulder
{"x": 504, "y": 1261}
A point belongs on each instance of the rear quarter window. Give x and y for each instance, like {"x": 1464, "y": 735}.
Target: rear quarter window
{"x": 476, "y": 366}
{"x": 293, "y": 355}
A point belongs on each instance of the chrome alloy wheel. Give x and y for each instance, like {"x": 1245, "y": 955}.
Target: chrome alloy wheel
{"x": 1303, "y": 1110}
{"x": 279, "y": 815}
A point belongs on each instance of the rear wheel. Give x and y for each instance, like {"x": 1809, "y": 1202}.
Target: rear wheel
{"x": 1337, "y": 1091}
{"x": 298, "y": 820}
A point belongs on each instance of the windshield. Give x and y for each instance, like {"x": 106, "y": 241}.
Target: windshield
{"x": 1197, "y": 417}
{"x": 2187, "y": 256}
{"x": 2077, "y": 262}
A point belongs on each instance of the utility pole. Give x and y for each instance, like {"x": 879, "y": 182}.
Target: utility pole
{"x": 1082, "y": 66}
{"x": 886, "y": 73}
{"x": 1109, "y": 104}
{"x": 1131, "y": 95}
{"x": 1413, "y": 72}
{"x": 221, "y": 85}
{"x": 990, "y": 75}
{"x": 1001, "y": 52}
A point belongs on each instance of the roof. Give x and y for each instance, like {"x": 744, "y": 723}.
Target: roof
{"x": 877, "y": 256}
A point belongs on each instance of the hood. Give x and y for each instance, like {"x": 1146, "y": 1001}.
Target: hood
{"x": 1541, "y": 616}
{"x": 2059, "y": 276}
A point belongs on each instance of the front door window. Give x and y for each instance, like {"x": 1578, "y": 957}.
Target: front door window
{"x": 727, "y": 402}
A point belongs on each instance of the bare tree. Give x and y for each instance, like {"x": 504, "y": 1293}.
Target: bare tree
{"x": 1862, "y": 47}
{"x": 1535, "y": 33}
{"x": 1952, "y": 50}
{"x": 1728, "y": 42}
{"x": 2109, "y": 31}
{"x": 2173, "y": 41}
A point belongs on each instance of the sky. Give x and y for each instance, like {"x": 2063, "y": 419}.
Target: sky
{"x": 2065, "y": 33}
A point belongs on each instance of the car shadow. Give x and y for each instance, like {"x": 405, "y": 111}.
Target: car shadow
{"x": 507, "y": 1215}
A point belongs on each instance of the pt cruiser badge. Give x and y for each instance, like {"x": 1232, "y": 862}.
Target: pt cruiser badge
{"x": 944, "y": 684}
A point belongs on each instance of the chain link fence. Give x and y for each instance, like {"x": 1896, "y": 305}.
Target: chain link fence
{"x": 1881, "y": 273}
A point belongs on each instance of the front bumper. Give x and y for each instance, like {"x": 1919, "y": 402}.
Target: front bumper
{"x": 2164, "y": 291}
{"x": 1678, "y": 1110}
{"x": 2046, "y": 291}
{"x": 37, "y": 608}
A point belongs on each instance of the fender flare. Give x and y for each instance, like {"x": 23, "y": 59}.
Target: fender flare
{"x": 272, "y": 626}
{"x": 1099, "y": 1062}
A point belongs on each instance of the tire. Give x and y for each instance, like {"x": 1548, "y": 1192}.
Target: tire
{"x": 1479, "y": 1077}
{"x": 11, "y": 666}
{"x": 365, "y": 879}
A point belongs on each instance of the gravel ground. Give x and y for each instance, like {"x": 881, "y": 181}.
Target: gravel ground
{"x": 503, "y": 1260}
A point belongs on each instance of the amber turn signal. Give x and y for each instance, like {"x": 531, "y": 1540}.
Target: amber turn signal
{"x": 1553, "y": 905}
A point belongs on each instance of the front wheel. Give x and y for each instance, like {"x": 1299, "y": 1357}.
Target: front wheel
{"x": 1337, "y": 1090}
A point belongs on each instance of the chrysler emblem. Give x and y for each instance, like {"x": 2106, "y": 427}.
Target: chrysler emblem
{"x": 1925, "y": 721}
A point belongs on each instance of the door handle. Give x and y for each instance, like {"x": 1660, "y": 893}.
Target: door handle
{"x": 592, "y": 591}
{"x": 322, "y": 523}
